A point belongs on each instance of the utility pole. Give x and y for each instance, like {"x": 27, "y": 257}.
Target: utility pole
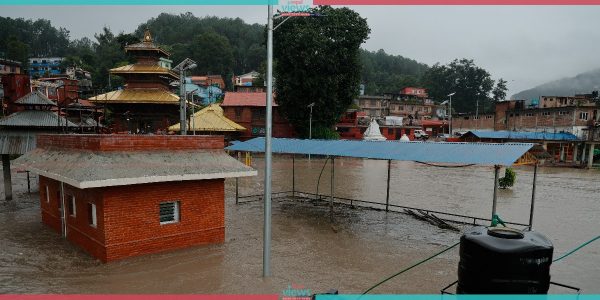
{"x": 186, "y": 64}
{"x": 268, "y": 154}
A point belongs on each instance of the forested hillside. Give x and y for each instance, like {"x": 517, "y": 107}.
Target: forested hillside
{"x": 220, "y": 46}
{"x": 583, "y": 83}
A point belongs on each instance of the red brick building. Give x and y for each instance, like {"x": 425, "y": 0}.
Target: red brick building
{"x": 118, "y": 196}
{"x": 248, "y": 110}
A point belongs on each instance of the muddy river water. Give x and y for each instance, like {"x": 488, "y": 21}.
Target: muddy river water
{"x": 359, "y": 249}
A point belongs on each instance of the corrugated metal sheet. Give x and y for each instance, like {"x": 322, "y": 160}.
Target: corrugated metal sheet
{"x": 522, "y": 135}
{"x": 448, "y": 153}
{"x": 210, "y": 118}
{"x": 17, "y": 142}
{"x": 154, "y": 96}
{"x": 34, "y": 118}
{"x": 258, "y": 99}
{"x": 35, "y": 98}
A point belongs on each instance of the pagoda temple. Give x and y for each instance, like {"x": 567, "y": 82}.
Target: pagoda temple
{"x": 146, "y": 103}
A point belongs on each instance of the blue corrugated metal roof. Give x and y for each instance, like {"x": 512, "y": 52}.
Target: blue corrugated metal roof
{"x": 449, "y": 153}
{"x": 522, "y": 135}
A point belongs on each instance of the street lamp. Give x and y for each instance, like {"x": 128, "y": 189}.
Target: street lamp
{"x": 186, "y": 64}
{"x": 450, "y": 115}
{"x": 310, "y": 121}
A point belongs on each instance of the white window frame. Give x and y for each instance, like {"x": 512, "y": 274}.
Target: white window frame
{"x": 176, "y": 212}
{"x": 583, "y": 113}
{"x": 93, "y": 216}
{"x": 72, "y": 200}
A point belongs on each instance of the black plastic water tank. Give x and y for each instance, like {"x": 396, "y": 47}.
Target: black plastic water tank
{"x": 504, "y": 261}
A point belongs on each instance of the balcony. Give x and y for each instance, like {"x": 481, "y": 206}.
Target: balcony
{"x": 592, "y": 134}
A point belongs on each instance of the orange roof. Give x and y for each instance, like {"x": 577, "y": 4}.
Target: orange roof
{"x": 245, "y": 99}
{"x": 154, "y": 96}
{"x": 433, "y": 123}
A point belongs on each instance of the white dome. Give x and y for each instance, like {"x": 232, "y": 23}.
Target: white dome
{"x": 404, "y": 138}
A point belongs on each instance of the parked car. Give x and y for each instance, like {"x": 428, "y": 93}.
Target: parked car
{"x": 421, "y": 135}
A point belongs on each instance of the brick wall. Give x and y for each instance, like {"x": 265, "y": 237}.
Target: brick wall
{"x": 131, "y": 142}
{"x": 128, "y": 216}
{"x": 470, "y": 122}
{"x": 281, "y": 127}
{"x": 132, "y": 217}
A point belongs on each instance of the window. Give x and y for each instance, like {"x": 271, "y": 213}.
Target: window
{"x": 258, "y": 114}
{"x": 583, "y": 116}
{"x": 72, "y": 205}
{"x": 546, "y": 113}
{"x": 562, "y": 113}
{"x": 47, "y": 194}
{"x": 92, "y": 217}
{"x": 169, "y": 212}
{"x": 529, "y": 114}
{"x": 238, "y": 112}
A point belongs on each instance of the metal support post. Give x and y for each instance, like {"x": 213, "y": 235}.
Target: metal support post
{"x": 182, "y": 103}
{"x": 8, "y": 195}
{"x": 495, "y": 200}
{"x": 535, "y": 169}
{"x": 387, "y": 195}
{"x": 268, "y": 154}
{"x": 237, "y": 190}
{"x": 590, "y": 161}
{"x": 293, "y": 176}
{"x": 332, "y": 188}
{"x": 64, "y": 209}
{"x": 28, "y": 183}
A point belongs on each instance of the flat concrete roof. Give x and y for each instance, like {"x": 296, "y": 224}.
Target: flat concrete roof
{"x": 90, "y": 169}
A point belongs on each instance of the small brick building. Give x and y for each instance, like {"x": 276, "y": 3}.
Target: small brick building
{"x": 128, "y": 195}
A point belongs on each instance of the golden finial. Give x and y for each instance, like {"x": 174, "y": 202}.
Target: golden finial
{"x": 147, "y": 36}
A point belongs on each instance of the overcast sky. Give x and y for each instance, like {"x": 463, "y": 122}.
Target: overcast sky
{"x": 525, "y": 45}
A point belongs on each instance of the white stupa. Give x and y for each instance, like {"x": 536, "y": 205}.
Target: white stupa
{"x": 373, "y": 133}
{"x": 405, "y": 138}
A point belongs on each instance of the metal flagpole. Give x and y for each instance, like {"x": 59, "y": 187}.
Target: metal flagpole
{"x": 268, "y": 155}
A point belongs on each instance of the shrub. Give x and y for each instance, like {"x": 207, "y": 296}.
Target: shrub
{"x": 509, "y": 178}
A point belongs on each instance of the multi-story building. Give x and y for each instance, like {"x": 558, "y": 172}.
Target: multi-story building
{"x": 248, "y": 110}
{"x": 514, "y": 115}
{"x": 410, "y": 103}
{"x": 8, "y": 66}
{"x": 45, "y": 66}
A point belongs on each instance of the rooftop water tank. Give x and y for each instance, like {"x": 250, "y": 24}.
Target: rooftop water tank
{"x": 504, "y": 261}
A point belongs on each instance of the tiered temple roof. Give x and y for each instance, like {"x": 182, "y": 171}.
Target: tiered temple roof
{"x": 146, "y": 81}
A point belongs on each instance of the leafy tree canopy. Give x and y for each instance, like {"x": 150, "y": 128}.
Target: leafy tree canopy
{"x": 318, "y": 60}
{"x": 470, "y": 83}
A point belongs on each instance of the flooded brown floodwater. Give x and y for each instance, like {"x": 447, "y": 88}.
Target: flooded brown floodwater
{"x": 366, "y": 245}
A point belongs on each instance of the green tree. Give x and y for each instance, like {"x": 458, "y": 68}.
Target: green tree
{"x": 318, "y": 60}
{"x": 17, "y": 50}
{"x": 499, "y": 92}
{"x": 213, "y": 54}
{"x": 471, "y": 84}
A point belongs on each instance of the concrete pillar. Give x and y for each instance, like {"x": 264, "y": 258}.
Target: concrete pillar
{"x": 575, "y": 150}
{"x": 7, "y": 179}
{"x": 562, "y": 153}
{"x": 590, "y": 156}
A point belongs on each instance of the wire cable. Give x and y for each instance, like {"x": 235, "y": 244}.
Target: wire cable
{"x": 413, "y": 266}
{"x": 577, "y": 249}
